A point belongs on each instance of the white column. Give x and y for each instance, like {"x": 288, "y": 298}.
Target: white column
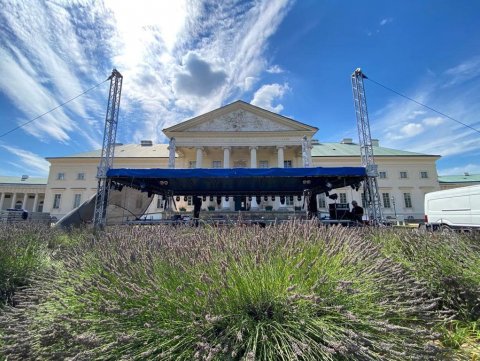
{"x": 253, "y": 164}
{"x": 226, "y": 164}
{"x": 14, "y": 200}
{"x": 35, "y": 203}
{"x": 2, "y": 199}
{"x": 199, "y": 157}
{"x": 226, "y": 157}
{"x": 281, "y": 156}
{"x": 25, "y": 197}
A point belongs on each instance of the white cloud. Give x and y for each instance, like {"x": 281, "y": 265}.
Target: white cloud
{"x": 461, "y": 170}
{"x": 433, "y": 121}
{"x": 466, "y": 71}
{"x": 268, "y": 94}
{"x": 275, "y": 69}
{"x": 29, "y": 162}
{"x": 402, "y": 124}
{"x": 411, "y": 129}
{"x": 385, "y": 21}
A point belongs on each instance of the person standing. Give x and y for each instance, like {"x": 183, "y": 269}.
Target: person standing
{"x": 356, "y": 212}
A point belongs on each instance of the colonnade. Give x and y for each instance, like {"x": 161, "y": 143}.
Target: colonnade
{"x": 10, "y": 202}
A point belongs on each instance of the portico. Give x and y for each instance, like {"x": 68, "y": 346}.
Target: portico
{"x": 241, "y": 135}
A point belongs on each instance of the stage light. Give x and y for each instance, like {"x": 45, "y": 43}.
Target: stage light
{"x": 211, "y": 198}
{"x": 185, "y": 198}
{"x": 273, "y": 198}
{"x": 250, "y": 198}
{"x": 227, "y": 198}
{"x": 299, "y": 198}
{"x": 265, "y": 198}
{"x": 204, "y": 198}
{"x": 333, "y": 196}
{"x": 177, "y": 198}
{"x": 259, "y": 199}
{"x": 291, "y": 198}
{"x": 282, "y": 199}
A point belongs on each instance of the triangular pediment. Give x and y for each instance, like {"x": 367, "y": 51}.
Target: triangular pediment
{"x": 240, "y": 117}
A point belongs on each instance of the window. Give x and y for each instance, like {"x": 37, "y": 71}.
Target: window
{"x": 56, "y": 200}
{"x": 424, "y": 175}
{"x": 159, "y": 201}
{"x": 189, "y": 200}
{"x": 408, "y": 200}
{"x": 192, "y": 164}
{"x": 263, "y": 164}
{"x": 382, "y": 175}
{"x": 343, "y": 197}
{"x": 81, "y": 176}
{"x": 322, "y": 201}
{"x": 287, "y": 164}
{"x": 217, "y": 164}
{"x": 76, "y": 200}
{"x": 403, "y": 175}
{"x": 61, "y": 176}
{"x": 386, "y": 200}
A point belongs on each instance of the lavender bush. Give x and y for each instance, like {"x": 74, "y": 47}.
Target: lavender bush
{"x": 290, "y": 292}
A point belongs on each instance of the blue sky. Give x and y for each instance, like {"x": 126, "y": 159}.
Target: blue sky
{"x": 183, "y": 58}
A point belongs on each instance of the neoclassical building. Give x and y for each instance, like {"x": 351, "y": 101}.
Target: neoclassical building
{"x": 242, "y": 135}
{"x": 22, "y": 193}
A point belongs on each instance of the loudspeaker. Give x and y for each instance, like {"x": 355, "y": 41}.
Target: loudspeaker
{"x": 339, "y": 211}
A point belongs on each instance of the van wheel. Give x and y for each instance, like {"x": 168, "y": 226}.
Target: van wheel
{"x": 445, "y": 228}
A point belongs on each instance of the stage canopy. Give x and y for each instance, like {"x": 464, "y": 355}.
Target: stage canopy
{"x": 237, "y": 181}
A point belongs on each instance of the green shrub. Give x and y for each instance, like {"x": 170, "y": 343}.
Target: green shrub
{"x": 294, "y": 291}
{"x": 448, "y": 263}
{"x": 23, "y": 253}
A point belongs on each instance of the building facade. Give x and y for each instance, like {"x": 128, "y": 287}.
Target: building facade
{"x": 22, "y": 193}
{"x": 241, "y": 135}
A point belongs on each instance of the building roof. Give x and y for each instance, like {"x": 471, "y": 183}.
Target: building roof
{"x": 466, "y": 178}
{"x": 353, "y": 150}
{"x": 18, "y": 180}
{"x": 127, "y": 151}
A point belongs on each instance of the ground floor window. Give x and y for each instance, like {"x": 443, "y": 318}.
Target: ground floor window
{"x": 408, "y": 200}
{"x": 77, "y": 199}
{"x": 386, "y": 200}
{"x": 56, "y": 201}
{"x": 343, "y": 197}
{"x": 322, "y": 201}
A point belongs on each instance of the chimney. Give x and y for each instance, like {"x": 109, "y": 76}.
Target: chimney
{"x": 347, "y": 141}
{"x": 375, "y": 143}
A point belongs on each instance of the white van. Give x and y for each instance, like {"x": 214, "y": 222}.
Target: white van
{"x": 453, "y": 208}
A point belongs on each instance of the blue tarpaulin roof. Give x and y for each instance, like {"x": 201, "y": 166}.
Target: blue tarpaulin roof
{"x": 237, "y": 181}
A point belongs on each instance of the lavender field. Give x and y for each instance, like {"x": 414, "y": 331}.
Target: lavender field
{"x": 295, "y": 291}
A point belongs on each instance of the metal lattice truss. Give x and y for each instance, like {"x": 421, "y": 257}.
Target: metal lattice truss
{"x": 108, "y": 148}
{"x": 372, "y": 196}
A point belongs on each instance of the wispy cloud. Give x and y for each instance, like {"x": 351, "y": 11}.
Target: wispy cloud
{"x": 28, "y": 161}
{"x": 402, "y": 124}
{"x": 385, "y": 21}
{"x": 275, "y": 69}
{"x": 268, "y": 94}
{"x": 468, "y": 168}
{"x": 178, "y": 59}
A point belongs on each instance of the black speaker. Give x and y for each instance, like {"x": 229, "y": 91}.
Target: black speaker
{"x": 339, "y": 211}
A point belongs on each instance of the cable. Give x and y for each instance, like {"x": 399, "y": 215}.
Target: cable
{"x": 51, "y": 110}
{"x": 423, "y": 105}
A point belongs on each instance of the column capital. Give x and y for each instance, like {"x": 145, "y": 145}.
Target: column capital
{"x": 280, "y": 147}
{"x": 227, "y": 147}
{"x": 253, "y": 147}
{"x": 200, "y": 148}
